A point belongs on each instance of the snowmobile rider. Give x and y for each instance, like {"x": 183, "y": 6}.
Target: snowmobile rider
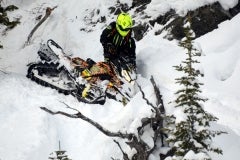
{"x": 119, "y": 47}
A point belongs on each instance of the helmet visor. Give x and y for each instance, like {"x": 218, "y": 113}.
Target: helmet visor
{"x": 123, "y": 29}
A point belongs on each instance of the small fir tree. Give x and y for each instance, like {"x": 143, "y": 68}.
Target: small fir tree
{"x": 191, "y": 136}
{"x": 59, "y": 155}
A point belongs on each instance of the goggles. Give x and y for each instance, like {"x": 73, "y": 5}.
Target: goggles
{"x": 122, "y": 29}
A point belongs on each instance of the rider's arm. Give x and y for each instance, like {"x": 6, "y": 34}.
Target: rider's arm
{"x": 106, "y": 39}
{"x": 129, "y": 53}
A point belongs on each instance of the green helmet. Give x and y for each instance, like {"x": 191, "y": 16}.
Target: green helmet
{"x": 124, "y": 24}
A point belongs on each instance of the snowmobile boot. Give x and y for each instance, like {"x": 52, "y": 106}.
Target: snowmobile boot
{"x": 90, "y": 62}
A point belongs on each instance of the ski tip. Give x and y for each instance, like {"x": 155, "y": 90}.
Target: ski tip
{"x": 52, "y": 42}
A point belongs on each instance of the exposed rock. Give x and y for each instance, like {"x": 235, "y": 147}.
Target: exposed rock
{"x": 204, "y": 20}
{"x": 140, "y": 30}
{"x": 118, "y": 8}
{"x": 137, "y": 3}
{"x": 207, "y": 18}
{"x": 163, "y": 19}
{"x": 235, "y": 10}
{"x": 140, "y": 5}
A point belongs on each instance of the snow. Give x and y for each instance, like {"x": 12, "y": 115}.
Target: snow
{"x": 191, "y": 155}
{"x": 183, "y": 6}
{"x": 27, "y": 132}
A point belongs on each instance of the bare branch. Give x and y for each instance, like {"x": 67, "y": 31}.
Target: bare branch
{"x": 69, "y": 106}
{"x": 159, "y": 117}
{"x": 156, "y": 122}
{"x": 60, "y": 112}
{"x": 158, "y": 95}
{"x": 47, "y": 14}
{"x": 95, "y": 124}
{"x": 3, "y": 72}
{"x": 144, "y": 97}
{"x": 125, "y": 156}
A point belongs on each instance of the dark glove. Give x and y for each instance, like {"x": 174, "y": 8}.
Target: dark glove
{"x": 128, "y": 63}
{"x": 132, "y": 66}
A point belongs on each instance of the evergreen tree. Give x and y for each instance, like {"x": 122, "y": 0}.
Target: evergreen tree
{"x": 59, "y": 155}
{"x": 192, "y": 135}
{"x": 4, "y": 19}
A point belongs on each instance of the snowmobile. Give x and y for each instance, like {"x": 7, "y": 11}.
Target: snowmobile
{"x": 89, "y": 81}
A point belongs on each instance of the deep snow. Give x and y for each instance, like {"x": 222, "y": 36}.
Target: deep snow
{"x": 26, "y": 132}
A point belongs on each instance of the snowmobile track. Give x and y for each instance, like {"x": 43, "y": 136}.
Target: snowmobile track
{"x": 50, "y": 67}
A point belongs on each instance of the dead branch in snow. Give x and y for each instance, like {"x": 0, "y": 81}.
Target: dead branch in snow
{"x": 47, "y": 14}
{"x": 125, "y": 155}
{"x": 95, "y": 124}
{"x": 134, "y": 141}
{"x": 3, "y": 72}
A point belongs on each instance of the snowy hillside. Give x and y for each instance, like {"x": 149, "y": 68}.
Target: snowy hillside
{"x": 27, "y": 132}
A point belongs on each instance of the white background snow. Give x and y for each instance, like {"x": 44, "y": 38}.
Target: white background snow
{"x": 27, "y": 132}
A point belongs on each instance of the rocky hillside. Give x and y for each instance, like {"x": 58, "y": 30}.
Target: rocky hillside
{"x": 204, "y": 19}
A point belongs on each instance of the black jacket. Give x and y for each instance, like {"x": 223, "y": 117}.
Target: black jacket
{"x": 125, "y": 46}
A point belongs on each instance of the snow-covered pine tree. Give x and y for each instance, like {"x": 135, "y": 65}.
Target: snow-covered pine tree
{"x": 59, "y": 155}
{"x": 191, "y": 137}
{"x": 4, "y": 19}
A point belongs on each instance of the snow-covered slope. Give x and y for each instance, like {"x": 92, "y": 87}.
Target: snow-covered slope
{"x": 27, "y": 132}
